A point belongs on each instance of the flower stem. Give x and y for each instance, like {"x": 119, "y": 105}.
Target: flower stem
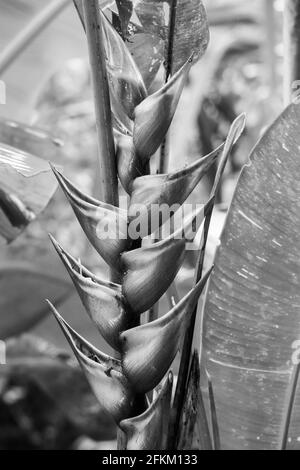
{"x": 30, "y": 32}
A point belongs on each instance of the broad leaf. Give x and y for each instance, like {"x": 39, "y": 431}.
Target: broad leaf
{"x": 188, "y": 25}
{"x": 26, "y": 186}
{"x": 30, "y": 139}
{"x": 20, "y": 310}
{"x": 191, "y": 33}
{"x": 251, "y": 318}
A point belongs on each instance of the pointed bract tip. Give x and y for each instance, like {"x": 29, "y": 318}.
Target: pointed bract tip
{"x": 53, "y": 168}
{"x": 56, "y": 245}
{"x": 238, "y": 126}
{"x": 58, "y": 317}
{"x": 207, "y": 274}
{"x": 209, "y": 205}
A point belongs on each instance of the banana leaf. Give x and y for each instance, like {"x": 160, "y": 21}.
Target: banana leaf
{"x": 148, "y": 33}
{"x": 252, "y": 313}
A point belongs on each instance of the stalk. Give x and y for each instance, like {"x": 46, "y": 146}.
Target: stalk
{"x": 188, "y": 340}
{"x": 213, "y": 413}
{"x": 108, "y": 170}
{"x": 163, "y": 158}
{"x": 107, "y": 157}
{"x": 270, "y": 41}
{"x": 291, "y": 47}
{"x": 30, "y": 32}
{"x": 173, "y": 13}
{"x": 290, "y": 406}
{"x": 163, "y": 161}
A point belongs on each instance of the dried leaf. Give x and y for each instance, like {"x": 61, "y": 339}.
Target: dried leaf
{"x": 103, "y": 373}
{"x": 149, "y": 350}
{"x": 125, "y": 9}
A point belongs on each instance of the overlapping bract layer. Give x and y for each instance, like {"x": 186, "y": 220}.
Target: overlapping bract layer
{"x": 147, "y": 271}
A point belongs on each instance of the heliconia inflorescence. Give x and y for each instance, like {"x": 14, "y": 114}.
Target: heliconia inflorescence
{"x": 145, "y": 271}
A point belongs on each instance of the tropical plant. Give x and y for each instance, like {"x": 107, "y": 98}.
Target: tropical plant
{"x": 140, "y": 273}
{"x": 241, "y": 392}
{"x": 26, "y": 187}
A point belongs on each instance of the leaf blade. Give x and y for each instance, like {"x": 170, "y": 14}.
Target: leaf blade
{"x": 257, "y": 271}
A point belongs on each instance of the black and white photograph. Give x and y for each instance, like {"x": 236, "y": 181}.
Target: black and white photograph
{"x": 149, "y": 228}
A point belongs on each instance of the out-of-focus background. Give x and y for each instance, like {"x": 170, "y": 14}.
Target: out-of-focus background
{"x": 49, "y": 86}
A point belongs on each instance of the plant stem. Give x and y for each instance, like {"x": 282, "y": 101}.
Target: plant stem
{"x": 188, "y": 339}
{"x": 163, "y": 161}
{"x": 290, "y": 405}
{"x": 173, "y": 13}
{"x": 30, "y": 32}
{"x": 108, "y": 170}
{"x": 194, "y": 424}
{"x": 291, "y": 47}
{"x": 213, "y": 413}
{"x": 270, "y": 41}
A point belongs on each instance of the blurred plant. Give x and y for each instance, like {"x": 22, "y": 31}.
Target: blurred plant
{"x": 26, "y": 186}
{"x": 37, "y": 409}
